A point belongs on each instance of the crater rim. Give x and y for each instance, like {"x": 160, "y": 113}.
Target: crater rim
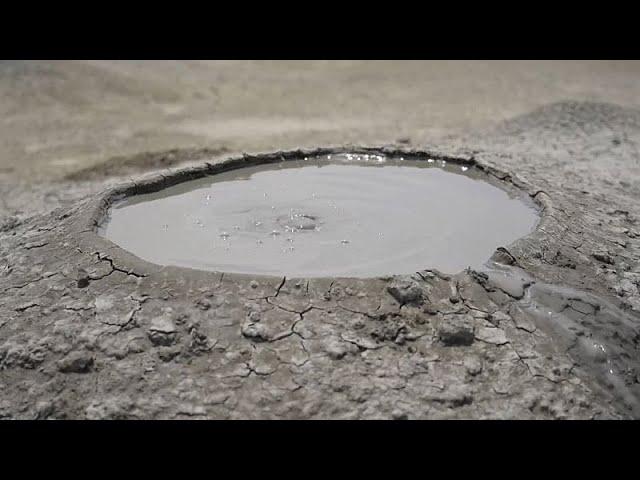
{"x": 126, "y": 261}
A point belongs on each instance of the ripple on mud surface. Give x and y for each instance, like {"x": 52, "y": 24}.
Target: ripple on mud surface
{"x": 341, "y": 215}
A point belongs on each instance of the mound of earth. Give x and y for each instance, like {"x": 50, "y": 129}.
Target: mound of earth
{"x": 550, "y": 329}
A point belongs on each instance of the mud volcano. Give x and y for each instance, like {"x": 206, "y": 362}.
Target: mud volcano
{"x": 340, "y": 215}
{"x": 548, "y": 328}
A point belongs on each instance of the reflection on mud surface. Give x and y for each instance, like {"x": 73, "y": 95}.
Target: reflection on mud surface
{"x": 340, "y": 215}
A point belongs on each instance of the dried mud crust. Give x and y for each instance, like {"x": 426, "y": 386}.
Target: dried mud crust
{"x": 90, "y": 331}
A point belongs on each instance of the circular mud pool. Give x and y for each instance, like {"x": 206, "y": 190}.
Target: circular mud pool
{"x": 328, "y": 216}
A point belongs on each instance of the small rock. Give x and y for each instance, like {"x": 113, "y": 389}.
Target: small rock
{"x": 162, "y": 331}
{"x": 253, "y": 284}
{"x": 406, "y": 292}
{"x": 501, "y": 255}
{"x": 76, "y": 362}
{"x": 199, "y": 343}
{"x": 399, "y": 415}
{"x": 603, "y": 257}
{"x": 254, "y": 331}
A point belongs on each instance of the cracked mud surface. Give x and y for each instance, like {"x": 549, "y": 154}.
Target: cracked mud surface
{"x": 550, "y": 329}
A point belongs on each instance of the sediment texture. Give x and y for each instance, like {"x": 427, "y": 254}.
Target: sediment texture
{"x": 551, "y": 329}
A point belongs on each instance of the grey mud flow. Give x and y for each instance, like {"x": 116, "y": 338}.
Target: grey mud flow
{"x": 342, "y": 216}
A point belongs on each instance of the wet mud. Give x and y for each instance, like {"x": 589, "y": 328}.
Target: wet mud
{"x": 333, "y": 216}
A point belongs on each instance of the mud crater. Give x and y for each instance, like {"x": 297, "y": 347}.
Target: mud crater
{"x": 341, "y": 214}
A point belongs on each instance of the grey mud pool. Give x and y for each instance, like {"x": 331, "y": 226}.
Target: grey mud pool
{"x": 341, "y": 215}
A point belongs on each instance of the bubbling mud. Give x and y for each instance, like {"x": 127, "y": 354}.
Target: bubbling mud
{"x": 330, "y": 216}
